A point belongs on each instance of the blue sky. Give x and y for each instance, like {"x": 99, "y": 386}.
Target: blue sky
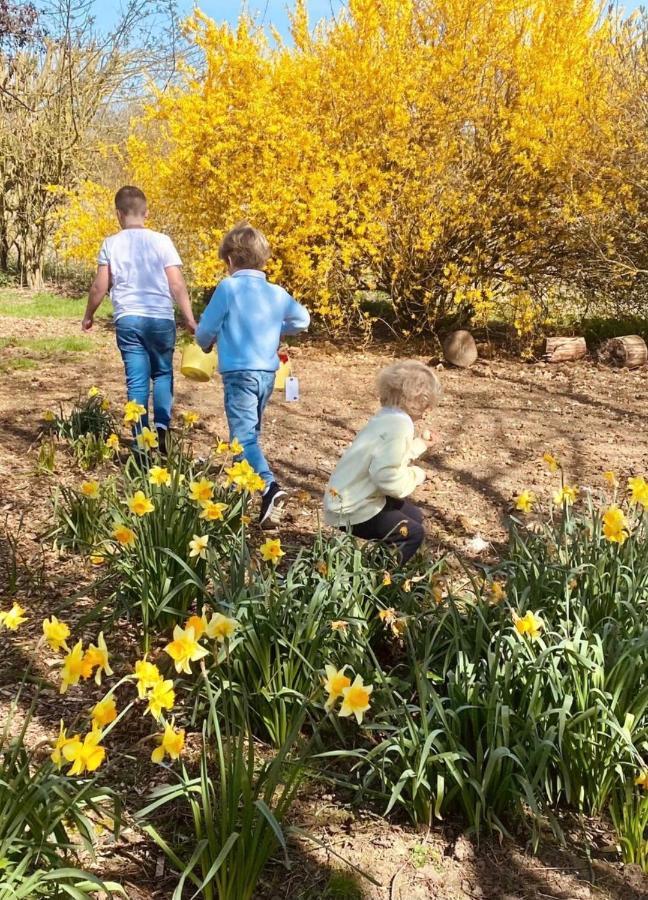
{"x": 269, "y": 11}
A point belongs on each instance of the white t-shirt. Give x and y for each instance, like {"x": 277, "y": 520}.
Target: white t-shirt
{"x": 137, "y": 258}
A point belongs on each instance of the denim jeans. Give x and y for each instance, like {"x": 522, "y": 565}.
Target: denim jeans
{"x": 398, "y": 523}
{"x": 147, "y": 346}
{"x": 246, "y": 397}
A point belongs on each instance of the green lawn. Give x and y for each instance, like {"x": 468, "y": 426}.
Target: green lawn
{"x": 22, "y": 305}
{"x": 78, "y": 344}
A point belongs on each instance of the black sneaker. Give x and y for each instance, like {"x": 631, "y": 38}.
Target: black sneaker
{"x": 162, "y": 441}
{"x": 272, "y": 501}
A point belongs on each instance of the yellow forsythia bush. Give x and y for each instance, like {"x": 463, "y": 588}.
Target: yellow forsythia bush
{"x": 453, "y": 154}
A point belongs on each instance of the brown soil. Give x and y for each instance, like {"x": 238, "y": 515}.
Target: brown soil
{"x": 496, "y": 420}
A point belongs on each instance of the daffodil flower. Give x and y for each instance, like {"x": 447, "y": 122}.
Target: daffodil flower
{"x": 124, "y": 535}
{"x": 96, "y": 657}
{"x": 90, "y": 489}
{"x": 271, "y": 550}
{"x": 190, "y": 418}
{"x": 355, "y": 699}
{"x": 147, "y": 675}
{"x": 524, "y": 501}
{"x": 86, "y": 756}
{"x": 104, "y": 712}
{"x": 160, "y": 476}
{"x": 184, "y": 649}
{"x": 13, "y": 619}
{"x": 56, "y": 633}
{"x": 236, "y": 448}
{"x": 615, "y": 525}
{"x": 198, "y": 546}
{"x": 334, "y": 683}
{"x": 528, "y": 624}
{"x": 161, "y": 696}
{"x": 171, "y": 744}
{"x": 199, "y": 625}
{"x": 133, "y": 412}
{"x": 638, "y": 488}
{"x": 62, "y": 741}
{"x": 73, "y": 667}
{"x": 565, "y": 496}
{"x": 211, "y": 511}
{"x": 112, "y": 442}
{"x": 221, "y": 628}
{"x": 140, "y": 504}
{"x": 201, "y": 491}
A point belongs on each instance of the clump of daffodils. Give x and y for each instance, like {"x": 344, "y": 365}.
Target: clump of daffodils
{"x": 355, "y": 695}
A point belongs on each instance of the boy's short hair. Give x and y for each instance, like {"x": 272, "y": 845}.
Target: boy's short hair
{"x": 130, "y": 201}
{"x": 245, "y": 247}
{"x": 408, "y": 384}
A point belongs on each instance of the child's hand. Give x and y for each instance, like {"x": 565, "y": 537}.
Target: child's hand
{"x": 87, "y": 323}
{"x": 431, "y": 437}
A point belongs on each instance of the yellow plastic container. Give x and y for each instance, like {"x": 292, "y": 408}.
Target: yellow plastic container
{"x": 196, "y": 364}
{"x": 284, "y": 371}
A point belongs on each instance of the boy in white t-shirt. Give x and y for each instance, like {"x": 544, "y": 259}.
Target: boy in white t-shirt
{"x": 142, "y": 270}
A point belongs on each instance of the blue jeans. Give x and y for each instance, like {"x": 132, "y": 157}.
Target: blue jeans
{"x": 246, "y": 397}
{"x": 147, "y": 346}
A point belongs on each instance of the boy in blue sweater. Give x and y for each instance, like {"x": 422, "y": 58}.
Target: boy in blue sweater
{"x": 247, "y": 317}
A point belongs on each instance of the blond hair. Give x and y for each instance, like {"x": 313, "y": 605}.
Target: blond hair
{"x": 245, "y": 247}
{"x": 409, "y": 385}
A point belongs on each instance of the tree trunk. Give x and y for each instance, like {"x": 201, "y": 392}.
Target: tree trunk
{"x": 629, "y": 352}
{"x": 565, "y": 349}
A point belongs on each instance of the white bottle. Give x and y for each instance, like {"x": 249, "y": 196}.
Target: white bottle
{"x": 292, "y": 389}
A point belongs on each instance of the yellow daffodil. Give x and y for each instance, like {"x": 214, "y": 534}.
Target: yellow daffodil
{"x": 198, "y": 546}
{"x": 112, "y": 442}
{"x": 140, "y": 504}
{"x": 321, "y": 568}
{"x": 236, "y": 448}
{"x": 93, "y": 392}
{"x": 14, "y": 618}
{"x": 161, "y": 696}
{"x": 339, "y": 625}
{"x": 638, "y": 488}
{"x": 124, "y": 535}
{"x": 90, "y": 489}
{"x": 104, "y": 712}
{"x": 86, "y": 756}
{"x": 222, "y": 447}
{"x": 610, "y": 478}
{"x": 642, "y": 780}
{"x": 105, "y": 405}
{"x": 399, "y": 627}
{"x": 221, "y": 628}
{"x": 133, "y": 412}
{"x": 199, "y": 625}
{"x": 387, "y": 579}
{"x": 147, "y": 675}
{"x": 524, "y": 501}
{"x": 96, "y": 657}
{"x": 271, "y": 550}
{"x": 239, "y": 474}
{"x": 159, "y": 476}
{"x": 565, "y": 496}
{"x": 184, "y": 649}
{"x": 551, "y": 462}
{"x": 245, "y": 520}
{"x": 73, "y": 667}
{"x": 355, "y": 699}
{"x": 334, "y": 683}
{"x": 62, "y": 741}
{"x": 211, "y": 511}
{"x": 190, "y": 418}
{"x": 497, "y": 592}
{"x": 387, "y": 615}
{"x": 56, "y": 633}
{"x": 615, "y": 525}
{"x": 253, "y": 484}
{"x": 97, "y": 559}
{"x": 49, "y": 416}
{"x": 171, "y": 744}
{"x": 528, "y": 624}
{"x": 147, "y": 439}
{"x": 201, "y": 491}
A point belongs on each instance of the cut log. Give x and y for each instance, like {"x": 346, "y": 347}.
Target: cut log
{"x": 628, "y": 352}
{"x": 460, "y": 349}
{"x": 565, "y": 349}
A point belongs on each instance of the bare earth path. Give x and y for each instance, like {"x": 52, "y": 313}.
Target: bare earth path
{"x": 495, "y": 422}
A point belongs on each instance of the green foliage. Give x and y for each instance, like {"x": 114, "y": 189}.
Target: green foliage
{"x": 88, "y": 416}
{"x": 629, "y": 812}
{"x": 79, "y": 521}
{"x": 45, "y": 346}
{"x": 24, "y": 304}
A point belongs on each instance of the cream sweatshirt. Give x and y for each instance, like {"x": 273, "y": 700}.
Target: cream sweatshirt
{"x": 374, "y": 467}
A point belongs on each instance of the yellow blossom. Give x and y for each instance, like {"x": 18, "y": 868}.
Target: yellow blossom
{"x": 529, "y": 624}
{"x": 211, "y": 511}
{"x": 104, "y": 712}
{"x": 190, "y": 418}
{"x": 96, "y": 657}
{"x": 241, "y": 474}
{"x": 524, "y": 501}
{"x": 387, "y": 615}
{"x": 610, "y": 478}
{"x": 615, "y": 525}
{"x": 124, "y": 535}
{"x": 133, "y": 412}
{"x": 387, "y": 579}
{"x": 222, "y": 447}
{"x": 56, "y": 633}
{"x": 171, "y": 744}
{"x": 86, "y": 756}
{"x": 97, "y": 559}
{"x": 49, "y": 416}
{"x": 271, "y": 550}
{"x": 399, "y": 627}
{"x": 221, "y": 628}
{"x": 245, "y": 520}
{"x": 236, "y": 448}
{"x": 199, "y": 625}
{"x": 93, "y": 392}
{"x": 73, "y": 667}
{"x": 497, "y": 592}
{"x": 161, "y": 696}
{"x": 14, "y": 618}
{"x": 198, "y": 546}
{"x": 160, "y": 476}
{"x": 638, "y": 488}
{"x": 147, "y": 439}
{"x": 147, "y": 675}
{"x": 140, "y": 504}
{"x": 184, "y": 649}
{"x": 339, "y": 625}
{"x": 201, "y": 491}
{"x": 334, "y": 683}
{"x": 112, "y": 442}
{"x": 62, "y": 741}
{"x": 355, "y": 699}
{"x": 551, "y": 462}
{"x": 566, "y": 495}
{"x": 90, "y": 489}
{"x": 105, "y": 405}
{"x": 642, "y": 780}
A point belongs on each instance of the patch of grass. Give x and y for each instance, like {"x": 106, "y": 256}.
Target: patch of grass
{"x": 50, "y": 345}
{"x": 343, "y": 886}
{"x": 11, "y": 365}
{"x": 23, "y": 305}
